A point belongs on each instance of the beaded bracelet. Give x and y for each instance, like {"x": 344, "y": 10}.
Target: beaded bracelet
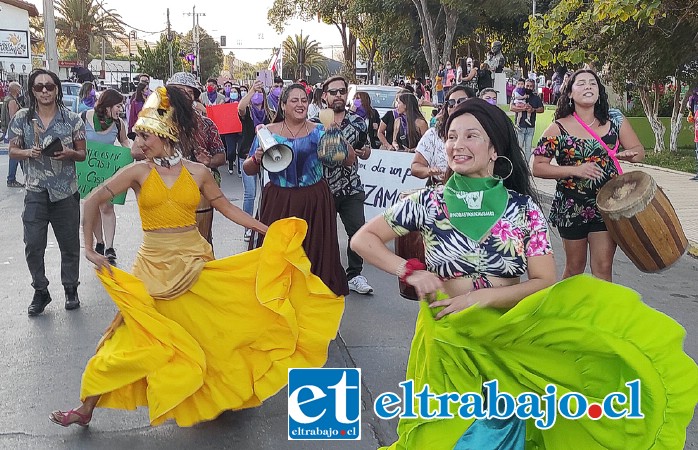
{"x": 408, "y": 268}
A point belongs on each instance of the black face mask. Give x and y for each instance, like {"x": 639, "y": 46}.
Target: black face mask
{"x": 529, "y": 91}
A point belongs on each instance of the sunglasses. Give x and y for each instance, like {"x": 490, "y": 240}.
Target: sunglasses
{"x": 50, "y": 87}
{"x": 453, "y": 102}
{"x": 340, "y": 91}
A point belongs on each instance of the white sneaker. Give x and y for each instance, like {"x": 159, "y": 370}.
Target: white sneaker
{"x": 360, "y": 284}
{"x": 248, "y": 235}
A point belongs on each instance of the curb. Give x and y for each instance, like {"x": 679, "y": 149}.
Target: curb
{"x": 661, "y": 169}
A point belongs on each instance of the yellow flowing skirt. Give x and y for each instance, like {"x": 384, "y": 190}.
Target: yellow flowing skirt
{"x": 225, "y": 343}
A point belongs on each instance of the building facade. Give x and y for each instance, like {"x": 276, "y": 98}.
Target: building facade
{"x": 15, "y": 40}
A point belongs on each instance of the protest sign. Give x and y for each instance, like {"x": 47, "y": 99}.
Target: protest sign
{"x": 386, "y": 174}
{"x": 102, "y": 161}
{"x": 226, "y": 118}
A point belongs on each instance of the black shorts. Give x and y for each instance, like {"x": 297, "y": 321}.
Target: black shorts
{"x": 581, "y": 231}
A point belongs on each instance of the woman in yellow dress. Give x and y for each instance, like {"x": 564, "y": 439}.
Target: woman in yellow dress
{"x": 182, "y": 345}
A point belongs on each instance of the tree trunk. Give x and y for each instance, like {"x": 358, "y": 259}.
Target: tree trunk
{"x": 650, "y": 104}
{"x": 429, "y": 43}
{"x": 677, "y": 116}
{"x": 449, "y": 32}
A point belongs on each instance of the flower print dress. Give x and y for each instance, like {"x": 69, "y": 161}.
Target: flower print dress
{"x": 574, "y": 202}
{"x": 568, "y": 335}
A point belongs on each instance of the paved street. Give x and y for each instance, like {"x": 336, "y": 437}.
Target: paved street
{"x": 43, "y": 357}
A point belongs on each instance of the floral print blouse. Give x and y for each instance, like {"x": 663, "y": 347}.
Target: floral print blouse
{"x": 521, "y": 232}
{"x": 574, "y": 202}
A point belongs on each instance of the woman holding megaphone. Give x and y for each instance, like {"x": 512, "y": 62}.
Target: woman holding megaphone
{"x": 296, "y": 186}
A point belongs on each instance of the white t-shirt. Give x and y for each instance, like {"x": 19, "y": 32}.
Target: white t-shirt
{"x": 433, "y": 149}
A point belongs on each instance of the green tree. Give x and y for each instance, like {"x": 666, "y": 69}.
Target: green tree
{"x": 80, "y": 21}
{"x": 301, "y": 55}
{"x": 156, "y": 62}
{"x": 638, "y": 40}
{"x": 332, "y": 12}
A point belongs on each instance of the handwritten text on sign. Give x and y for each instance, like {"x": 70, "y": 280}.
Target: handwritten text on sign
{"x": 102, "y": 162}
{"x": 386, "y": 174}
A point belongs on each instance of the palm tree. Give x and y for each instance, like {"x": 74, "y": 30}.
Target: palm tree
{"x": 83, "y": 20}
{"x": 301, "y": 55}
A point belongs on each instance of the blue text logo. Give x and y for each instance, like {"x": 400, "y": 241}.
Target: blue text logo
{"x": 324, "y": 404}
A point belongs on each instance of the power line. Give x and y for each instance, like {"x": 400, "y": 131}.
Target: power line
{"x": 121, "y": 22}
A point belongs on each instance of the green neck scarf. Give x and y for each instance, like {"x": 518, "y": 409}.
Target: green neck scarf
{"x": 475, "y": 204}
{"x": 98, "y": 125}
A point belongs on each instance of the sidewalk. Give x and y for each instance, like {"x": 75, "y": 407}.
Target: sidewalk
{"x": 682, "y": 193}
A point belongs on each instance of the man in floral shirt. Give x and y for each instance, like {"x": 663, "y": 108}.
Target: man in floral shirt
{"x": 52, "y": 190}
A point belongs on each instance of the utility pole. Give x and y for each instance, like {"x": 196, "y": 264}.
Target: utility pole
{"x": 102, "y": 73}
{"x": 169, "y": 40}
{"x": 534, "y": 15}
{"x": 195, "y": 38}
{"x": 50, "y": 34}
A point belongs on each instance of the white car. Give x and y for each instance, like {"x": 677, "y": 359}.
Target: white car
{"x": 382, "y": 97}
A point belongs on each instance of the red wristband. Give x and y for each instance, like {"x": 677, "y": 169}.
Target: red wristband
{"x": 411, "y": 265}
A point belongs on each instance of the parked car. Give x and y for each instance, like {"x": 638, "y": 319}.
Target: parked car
{"x": 382, "y": 97}
{"x": 70, "y": 95}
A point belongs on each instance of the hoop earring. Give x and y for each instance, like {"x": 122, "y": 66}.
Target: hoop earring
{"x": 511, "y": 171}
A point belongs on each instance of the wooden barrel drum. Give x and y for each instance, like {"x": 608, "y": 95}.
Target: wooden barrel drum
{"x": 409, "y": 246}
{"x": 642, "y": 221}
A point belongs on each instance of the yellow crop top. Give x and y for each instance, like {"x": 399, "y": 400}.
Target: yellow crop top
{"x": 163, "y": 207}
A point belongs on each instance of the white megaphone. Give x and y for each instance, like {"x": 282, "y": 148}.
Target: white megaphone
{"x": 277, "y": 157}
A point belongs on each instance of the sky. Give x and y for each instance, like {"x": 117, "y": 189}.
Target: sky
{"x": 248, "y": 29}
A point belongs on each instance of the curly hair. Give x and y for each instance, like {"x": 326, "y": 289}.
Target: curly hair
{"x": 500, "y": 131}
{"x": 565, "y": 104}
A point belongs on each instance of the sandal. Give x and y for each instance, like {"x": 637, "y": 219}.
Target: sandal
{"x": 63, "y": 418}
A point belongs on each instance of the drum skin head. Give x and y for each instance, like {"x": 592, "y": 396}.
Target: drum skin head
{"x": 626, "y": 194}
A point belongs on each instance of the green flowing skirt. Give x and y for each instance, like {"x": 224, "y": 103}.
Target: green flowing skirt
{"x": 582, "y": 335}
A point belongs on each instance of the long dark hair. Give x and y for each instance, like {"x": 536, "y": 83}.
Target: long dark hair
{"x": 366, "y": 103}
{"x": 32, "y": 96}
{"x": 284, "y": 98}
{"x": 413, "y": 113}
{"x": 107, "y": 99}
{"x": 139, "y": 95}
{"x": 565, "y": 105}
{"x": 183, "y": 117}
{"x": 441, "y": 122}
{"x": 500, "y": 131}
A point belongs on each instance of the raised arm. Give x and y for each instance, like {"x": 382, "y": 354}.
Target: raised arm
{"x": 213, "y": 194}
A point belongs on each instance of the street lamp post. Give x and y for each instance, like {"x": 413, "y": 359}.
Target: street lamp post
{"x": 534, "y": 15}
{"x": 130, "y": 55}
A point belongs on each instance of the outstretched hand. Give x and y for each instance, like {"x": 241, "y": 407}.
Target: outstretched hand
{"x": 100, "y": 261}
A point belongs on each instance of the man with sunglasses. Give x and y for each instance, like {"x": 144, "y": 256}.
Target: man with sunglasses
{"x": 344, "y": 181}
{"x": 52, "y": 190}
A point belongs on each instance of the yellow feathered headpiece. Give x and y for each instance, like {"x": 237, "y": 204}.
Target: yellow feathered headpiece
{"x": 156, "y": 116}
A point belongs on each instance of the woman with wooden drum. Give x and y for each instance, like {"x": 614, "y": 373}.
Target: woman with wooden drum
{"x": 481, "y": 324}
{"x": 585, "y": 141}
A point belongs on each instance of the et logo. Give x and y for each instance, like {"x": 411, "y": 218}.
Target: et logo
{"x": 324, "y": 404}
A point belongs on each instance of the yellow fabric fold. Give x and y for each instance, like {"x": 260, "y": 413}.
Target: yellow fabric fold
{"x": 226, "y": 343}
